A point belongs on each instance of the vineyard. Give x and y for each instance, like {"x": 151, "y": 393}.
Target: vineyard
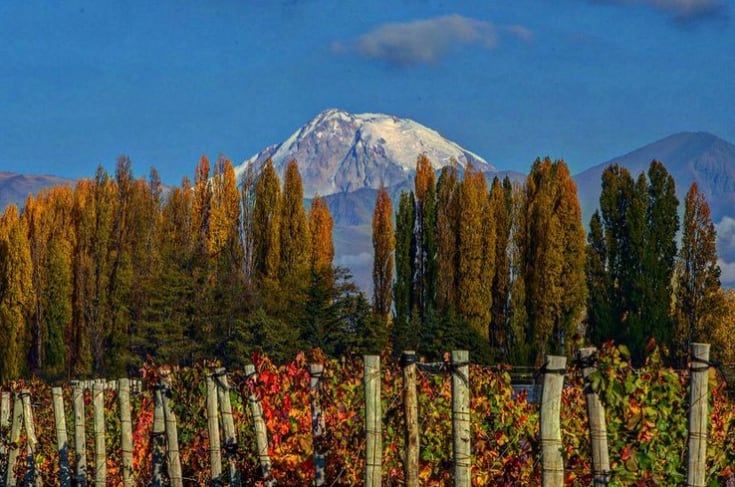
{"x": 646, "y": 410}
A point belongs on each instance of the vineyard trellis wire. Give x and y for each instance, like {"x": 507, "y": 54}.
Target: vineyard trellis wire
{"x": 504, "y": 438}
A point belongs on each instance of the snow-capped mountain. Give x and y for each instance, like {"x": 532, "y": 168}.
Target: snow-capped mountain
{"x": 343, "y": 152}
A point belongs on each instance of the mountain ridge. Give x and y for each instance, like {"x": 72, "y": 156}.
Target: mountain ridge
{"x": 339, "y": 151}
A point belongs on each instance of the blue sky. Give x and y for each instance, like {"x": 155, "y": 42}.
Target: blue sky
{"x": 82, "y": 82}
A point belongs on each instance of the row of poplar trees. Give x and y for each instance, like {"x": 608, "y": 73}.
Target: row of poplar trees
{"x": 98, "y": 277}
{"x": 508, "y": 272}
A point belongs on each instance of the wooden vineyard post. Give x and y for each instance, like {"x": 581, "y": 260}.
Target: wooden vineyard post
{"x": 172, "y": 434}
{"x": 411, "y": 407}
{"x": 373, "y": 423}
{"x": 261, "y": 432}
{"x": 596, "y": 416}
{"x": 4, "y": 421}
{"x": 80, "y": 438}
{"x": 552, "y": 464}
{"x": 62, "y": 439}
{"x": 596, "y": 419}
{"x": 32, "y": 478}
{"x": 14, "y": 438}
{"x": 317, "y": 424}
{"x": 461, "y": 417}
{"x": 157, "y": 436}
{"x": 100, "y": 455}
{"x": 228, "y": 424}
{"x": 126, "y": 440}
{"x": 215, "y": 459}
{"x": 698, "y": 410}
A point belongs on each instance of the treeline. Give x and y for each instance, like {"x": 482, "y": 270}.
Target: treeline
{"x": 96, "y": 278}
{"x": 99, "y": 277}
{"x": 508, "y": 272}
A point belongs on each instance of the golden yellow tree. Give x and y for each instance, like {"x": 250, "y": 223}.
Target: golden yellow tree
{"x": 383, "y": 246}
{"x": 18, "y": 298}
{"x": 322, "y": 246}
{"x": 476, "y": 253}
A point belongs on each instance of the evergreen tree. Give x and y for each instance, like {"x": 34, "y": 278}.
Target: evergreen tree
{"x": 698, "y": 298}
{"x": 383, "y": 246}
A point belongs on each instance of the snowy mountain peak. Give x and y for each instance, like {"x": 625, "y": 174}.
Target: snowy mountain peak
{"x": 342, "y": 152}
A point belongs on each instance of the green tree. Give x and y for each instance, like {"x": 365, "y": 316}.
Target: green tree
{"x": 659, "y": 257}
{"x": 266, "y": 224}
{"x": 406, "y": 336}
{"x": 632, "y": 266}
{"x": 699, "y": 301}
{"x": 501, "y": 208}
{"x": 424, "y": 238}
{"x": 295, "y": 237}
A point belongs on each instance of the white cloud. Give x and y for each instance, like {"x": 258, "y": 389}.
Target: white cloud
{"x": 727, "y": 269}
{"x": 726, "y": 249}
{"x": 726, "y": 236}
{"x": 684, "y": 9}
{"x": 351, "y": 261}
{"x": 428, "y": 41}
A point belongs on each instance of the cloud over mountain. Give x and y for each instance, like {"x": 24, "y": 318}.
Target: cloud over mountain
{"x": 681, "y": 9}
{"x": 428, "y": 41}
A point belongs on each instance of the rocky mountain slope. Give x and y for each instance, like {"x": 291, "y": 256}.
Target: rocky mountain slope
{"x": 343, "y": 152}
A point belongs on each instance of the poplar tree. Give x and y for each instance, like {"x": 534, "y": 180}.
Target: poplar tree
{"x": 294, "y": 232}
{"x": 476, "y": 242}
{"x": 447, "y": 239}
{"x": 17, "y": 298}
{"x": 698, "y": 298}
{"x": 383, "y": 246}
{"x": 660, "y": 254}
{"x": 166, "y": 331}
{"x": 267, "y": 224}
{"x": 247, "y": 191}
{"x": 79, "y": 340}
{"x": 425, "y": 253}
{"x": 50, "y": 237}
{"x": 322, "y": 246}
{"x": 631, "y": 266}
{"x": 406, "y": 336}
{"x": 223, "y": 232}
{"x": 553, "y": 254}
{"x": 501, "y": 208}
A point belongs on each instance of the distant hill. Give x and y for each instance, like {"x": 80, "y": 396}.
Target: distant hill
{"x": 15, "y": 188}
{"x": 689, "y": 157}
